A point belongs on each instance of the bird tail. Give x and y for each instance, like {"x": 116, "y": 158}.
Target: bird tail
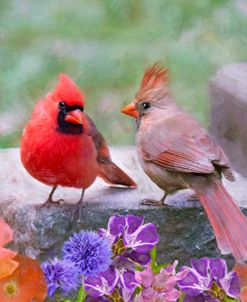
{"x": 228, "y": 222}
{"x": 112, "y": 174}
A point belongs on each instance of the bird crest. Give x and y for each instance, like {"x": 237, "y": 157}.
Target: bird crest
{"x": 66, "y": 90}
{"x": 155, "y": 77}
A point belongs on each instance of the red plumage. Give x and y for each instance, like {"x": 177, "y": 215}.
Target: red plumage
{"x": 61, "y": 145}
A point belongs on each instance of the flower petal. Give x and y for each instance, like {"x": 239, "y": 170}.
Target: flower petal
{"x": 127, "y": 294}
{"x": 171, "y": 269}
{"x": 172, "y": 295}
{"x": 102, "y": 284}
{"x": 200, "y": 298}
{"x": 61, "y": 276}
{"x": 29, "y": 280}
{"x": 89, "y": 252}
{"x": 143, "y": 239}
{"x": 6, "y": 253}
{"x": 191, "y": 284}
{"x": 140, "y": 258}
{"x": 201, "y": 266}
{"x": 133, "y": 223}
{"x": 148, "y": 294}
{"x": 116, "y": 225}
{"x": 146, "y": 277}
{"x": 7, "y": 267}
{"x": 231, "y": 284}
{"x": 128, "y": 279}
{"x": 97, "y": 299}
{"x": 218, "y": 268}
{"x": 6, "y": 233}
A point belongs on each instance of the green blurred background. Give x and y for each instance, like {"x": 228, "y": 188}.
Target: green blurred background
{"x": 104, "y": 45}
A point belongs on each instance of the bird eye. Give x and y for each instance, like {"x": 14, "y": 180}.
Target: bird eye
{"x": 146, "y": 105}
{"x": 61, "y": 104}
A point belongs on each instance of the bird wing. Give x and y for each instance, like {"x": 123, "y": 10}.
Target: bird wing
{"x": 185, "y": 147}
{"x": 181, "y": 156}
{"x": 108, "y": 170}
{"x": 103, "y": 153}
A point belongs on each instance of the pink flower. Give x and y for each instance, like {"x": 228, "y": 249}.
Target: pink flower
{"x": 158, "y": 287}
{"x": 7, "y": 264}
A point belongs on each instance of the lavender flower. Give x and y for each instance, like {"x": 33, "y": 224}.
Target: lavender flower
{"x": 138, "y": 236}
{"x": 89, "y": 252}
{"x": 200, "y": 298}
{"x": 208, "y": 280}
{"x": 158, "y": 287}
{"x": 61, "y": 276}
{"x": 102, "y": 284}
{"x": 131, "y": 242}
{"x": 125, "y": 269}
{"x": 130, "y": 237}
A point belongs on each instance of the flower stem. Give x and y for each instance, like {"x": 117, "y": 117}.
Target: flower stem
{"x": 82, "y": 293}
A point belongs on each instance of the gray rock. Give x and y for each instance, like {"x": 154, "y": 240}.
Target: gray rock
{"x": 228, "y": 95}
{"x": 184, "y": 229}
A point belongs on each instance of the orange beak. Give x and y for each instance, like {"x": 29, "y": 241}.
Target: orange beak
{"x": 131, "y": 110}
{"x": 74, "y": 117}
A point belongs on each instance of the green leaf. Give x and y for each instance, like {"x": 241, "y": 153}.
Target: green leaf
{"x": 82, "y": 294}
{"x": 156, "y": 267}
{"x": 153, "y": 254}
{"x": 138, "y": 268}
{"x": 137, "y": 291}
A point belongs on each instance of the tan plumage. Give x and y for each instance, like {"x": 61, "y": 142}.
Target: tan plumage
{"x": 176, "y": 152}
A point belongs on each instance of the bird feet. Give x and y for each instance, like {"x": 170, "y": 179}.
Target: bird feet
{"x": 50, "y": 203}
{"x": 154, "y": 203}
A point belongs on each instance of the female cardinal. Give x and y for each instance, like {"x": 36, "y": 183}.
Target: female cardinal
{"x": 61, "y": 146}
{"x": 176, "y": 153}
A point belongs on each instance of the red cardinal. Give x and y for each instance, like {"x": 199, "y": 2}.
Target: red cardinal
{"x": 61, "y": 146}
{"x": 176, "y": 152}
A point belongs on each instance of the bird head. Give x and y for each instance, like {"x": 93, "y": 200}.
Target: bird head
{"x": 67, "y": 106}
{"x": 152, "y": 93}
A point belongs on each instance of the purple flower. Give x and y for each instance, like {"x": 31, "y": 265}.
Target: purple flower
{"x": 138, "y": 236}
{"x": 89, "y": 252}
{"x": 198, "y": 278}
{"x": 158, "y": 287}
{"x": 200, "y": 298}
{"x": 229, "y": 282}
{"x": 142, "y": 259}
{"x": 208, "y": 280}
{"x": 130, "y": 237}
{"x": 97, "y": 299}
{"x": 127, "y": 294}
{"x": 102, "y": 284}
{"x": 131, "y": 242}
{"x": 61, "y": 276}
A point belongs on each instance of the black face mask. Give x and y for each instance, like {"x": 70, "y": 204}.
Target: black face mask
{"x": 64, "y": 126}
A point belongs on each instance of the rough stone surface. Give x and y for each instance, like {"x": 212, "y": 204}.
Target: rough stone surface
{"x": 228, "y": 94}
{"x": 184, "y": 229}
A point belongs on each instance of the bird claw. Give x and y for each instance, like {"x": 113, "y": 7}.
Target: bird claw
{"x": 50, "y": 203}
{"x": 154, "y": 203}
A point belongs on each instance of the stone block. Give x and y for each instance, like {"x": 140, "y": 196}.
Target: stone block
{"x": 228, "y": 113}
{"x": 184, "y": 229}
